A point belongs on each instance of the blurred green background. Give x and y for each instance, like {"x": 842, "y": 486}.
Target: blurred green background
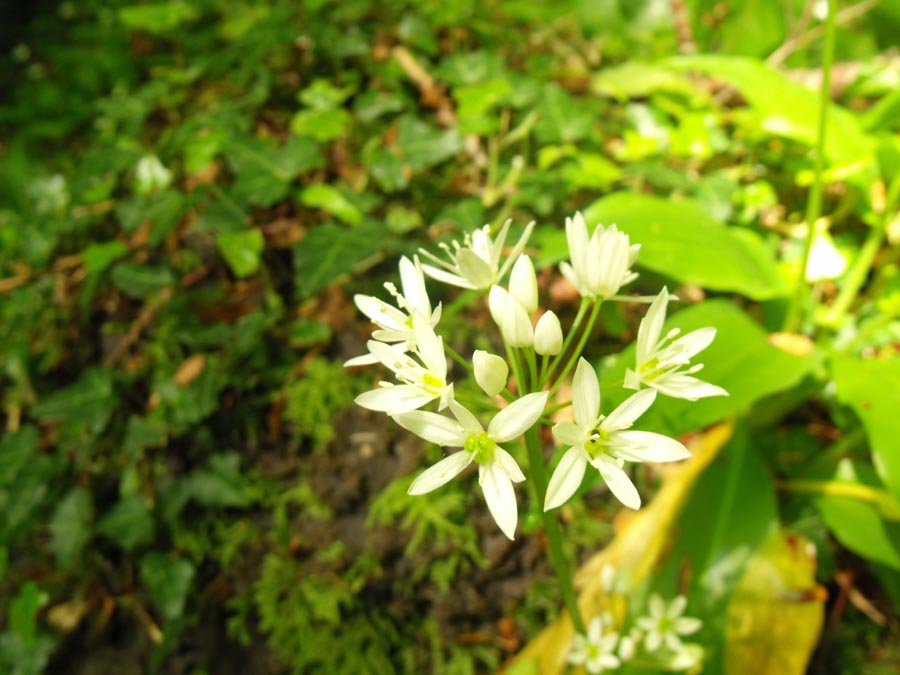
{"x": 192, "y": 192}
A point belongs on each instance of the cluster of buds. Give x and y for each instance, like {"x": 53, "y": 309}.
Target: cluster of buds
{"x": 407, "y": 344}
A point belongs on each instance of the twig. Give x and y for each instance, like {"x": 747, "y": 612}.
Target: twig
{"x": 144, "y": 319}
{"x": 683, "y": 29}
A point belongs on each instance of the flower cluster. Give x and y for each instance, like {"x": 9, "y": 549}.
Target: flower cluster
{"x": 651, "y": 641}
{"x": 406, "y": 344}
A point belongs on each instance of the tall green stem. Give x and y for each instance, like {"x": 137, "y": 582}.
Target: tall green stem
{"x": 814, "y": 204}
{"x": 573, "y": 331}
{"x": 573, "y": 357}
{"x": 551, "y": 528}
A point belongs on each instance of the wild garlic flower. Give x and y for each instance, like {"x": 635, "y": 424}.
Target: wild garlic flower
{"x": 475, "y": 263}
{"x": 605, "y": 443}
{"x": 497, "y": 470}
{"x": 600, "y": 265}
{"x": 395, "y": 324}
{"x": 664, "y": 364}
{"x": 422, "y": 379}
{"x": 511, "y": 317}
{"x": 665, "y": 624}
{"x": 491, "y": 372}
{"x": 596, "y": 650}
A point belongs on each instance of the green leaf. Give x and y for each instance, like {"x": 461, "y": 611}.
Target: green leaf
{"x": 129, "y": 523}
{"x": 421, "y": 147}
{"x": 168, "y": 579}
{"x": 88, "y": 402}
{"x": 784, "y": 107}
{"x": 741, "y": 359}
{"x": 633, "y": 79}
{"x": 220, "y": 483}
{"x": 857, "y": 524}
{"x": 563, "y": 119}
{"x": 97, "y": 257}
{"x": 143, "y": 432}
{"x": 330, "y": 251}
{"x": 242, "y": 250}
{"x": 872, "y": 388}
{"x": 322, "y": 125}
{"x": 70, "y": 526}
{"x": 323, "y": 95}
{"x": 331, "y": 200}
{"x": 140, "y": 281}
{"x": 680, "y": 239}
{"x": 23, "y": 611}
{"x": 160, "y": 18}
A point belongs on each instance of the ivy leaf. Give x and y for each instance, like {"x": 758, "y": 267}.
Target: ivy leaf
{"x": 168, "y": 579}
{"x": 330, "y": 251}
{"x": 242, "y": 250}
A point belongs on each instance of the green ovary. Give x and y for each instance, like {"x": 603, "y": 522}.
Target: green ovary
{"x": 433, "y": 384}
{"x": 481, "y": 446}
{"x": 598, "y": 442}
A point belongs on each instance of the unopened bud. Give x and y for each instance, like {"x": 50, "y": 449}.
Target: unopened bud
{"x": 491, "y": 372}
{"x": 523, "y": 283}
{"x": 548, "y": 337}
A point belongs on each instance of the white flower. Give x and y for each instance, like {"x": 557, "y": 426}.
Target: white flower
{"x": 422, "y": 379}
{"x": 497, "y": 470}
{"x": 475, "y": 264}
{"x": 511, "y": 317}
{"x": 395, "y": 324}
{"x": 600, "y": 265}
{"x": 596, "y": 650}
{"x": 151, "y": 176}
{"x": 605, "y": 442}
{"x": 491, "y": 372}
{"x": 523, "y": 283}
{"x": 548, "y": 337}
{"x": 663, "y": 364}
{"x": 664, "y": 625}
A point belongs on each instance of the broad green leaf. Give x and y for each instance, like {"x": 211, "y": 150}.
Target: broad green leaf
{"x": 331, "y": 200}
{"x": 322, "y": 125}
{"x": 562, "y": 118}
{"x": 160, "y": 17}
{"x": 872, "y": 388}
{"x": 23, "y": 611}
{"x": 129, "y": 523}
{"x": 140, "y": 281}
{"x": 741, "y": 359}
{"x": 143, "y": 432}
{"x": 323, "y": 95}
{"x": 220, "y": 483}
{"x": 679, "y": 239}
{"x": 634, "y": 79}
{"x": 88, "y": 402}
{"x": 265, "y": 170}
{"x": 859, "y": 524}
{"x": 168, "y": 580}
{"x": 97, "y": 257}
{"x": 242, "y": 249}
{"x": 785, "y": 108}
{"x": 70, "y": 526}
{"x": 420, "y": 146}
{"x": 330, "y": 251}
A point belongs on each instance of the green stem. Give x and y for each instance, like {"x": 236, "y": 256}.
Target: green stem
{"x": 532, "y": 368}
{"x": 794, "y": 316}
{"x": 573, "y": 357}
{"x": 513, "y": 359}
{"x": 573, "y": 330}
{"x": 459, "y": 359}
{"x": 551, "y": 528}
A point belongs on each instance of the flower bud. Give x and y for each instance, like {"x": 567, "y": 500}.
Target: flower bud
{"x": 523, "y": 283}
{"x": 491, "y": 372}
{"x": 511, "y": 317}
{"x": 548, "y": 337}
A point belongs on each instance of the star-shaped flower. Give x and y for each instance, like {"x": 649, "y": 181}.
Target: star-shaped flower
{"x": 665, "y": 624}
{"x": 497, "y": 470}
{"x": 601, "y": 264}
{"x": 605, "y": 443}
{"x": 596, "y": 650}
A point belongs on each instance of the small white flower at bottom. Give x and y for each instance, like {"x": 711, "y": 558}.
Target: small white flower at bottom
{"x": 665, "y": 624}
{"x": 497, "y": 470}
{"x": 596, "y": 650}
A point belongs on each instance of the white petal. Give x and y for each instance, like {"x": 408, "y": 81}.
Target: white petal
{"x": 651, "y": 327}
{"x": 475, "y": 270}
{"x": 498, "y": 299}
{"x": 676, "y": 607}
{"x": 523, "y": 283}
{"x": 548, "y": 337}
{"x": 491, "y": 372}
{"x": 686, "y": 387}
{"x": 577, "y": 238}
{"x": 695, "y": 341}
{"x": 396, "y": 399}
{"x": 518, "y": 417}
{"x": 500, "y": 497}
{"x": 362, "y": 360}
{"x": 566, "y": 478}
{"x": 629, "y": 410}
{"x": 569, "y": 433}
{"x": 413, "y": 284}
{"x": 467, "y": 420}
{"x": 432, "y": 427}
{"x": 618, "y": 481}
{"x": 508, "y": 464}
{"x": 442, "y": 472}
{"x": 496, "y": 250}
{"x": 570, "y": 274}
{"x": 585, "y": 394}
{"x": 644, "y": 446}
{"x": 516, "y": 328}
{"x": 380, "y": 312}
{"x": 687, "y": 625}
{"x": 430, "y": 346}
{"x": 657, "y": 606}
{"x": 446, "y": 277}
